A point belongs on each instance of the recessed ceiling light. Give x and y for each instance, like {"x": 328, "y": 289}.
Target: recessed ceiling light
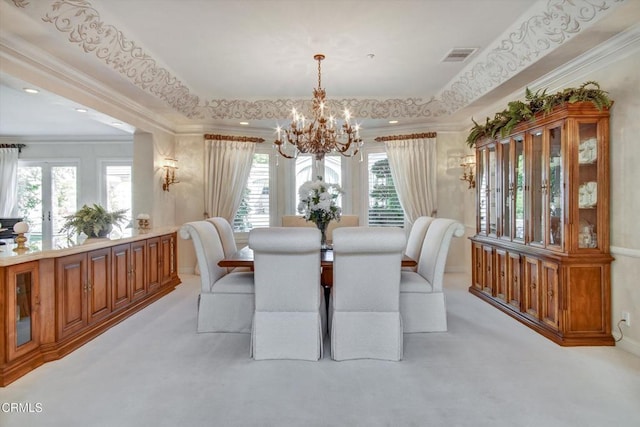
{"x": 81, "y": 110}
{"x": 244, "y": 123}
{"x": 30, "y": 90}
{"x": 393, "y": 122}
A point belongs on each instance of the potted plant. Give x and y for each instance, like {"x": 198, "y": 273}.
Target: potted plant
{"x": 94, "y": 221}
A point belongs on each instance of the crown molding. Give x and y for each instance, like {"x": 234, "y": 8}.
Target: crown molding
{"x": 70, "y": 139}
{"x": 35, "y": 66}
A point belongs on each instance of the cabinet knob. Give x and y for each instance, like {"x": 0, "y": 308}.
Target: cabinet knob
{"x": 533, "y": 285}
{"x": 550, "y": 293}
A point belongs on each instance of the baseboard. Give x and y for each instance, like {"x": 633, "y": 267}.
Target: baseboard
{"x": 629, "y": 345}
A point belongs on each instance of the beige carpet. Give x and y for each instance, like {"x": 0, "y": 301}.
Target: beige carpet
{"x": 488, "y": 370}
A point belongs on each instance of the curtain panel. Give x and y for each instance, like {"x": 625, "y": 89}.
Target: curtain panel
{"x": 9, "y": 182}
{"x": 413, "y": 168}
{"x": 227, "y": 166}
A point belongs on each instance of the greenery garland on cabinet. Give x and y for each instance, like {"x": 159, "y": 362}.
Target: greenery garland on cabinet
{"x": 519, "y": 111}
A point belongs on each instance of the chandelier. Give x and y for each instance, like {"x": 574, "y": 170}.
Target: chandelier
{"x": 319, "y": 134}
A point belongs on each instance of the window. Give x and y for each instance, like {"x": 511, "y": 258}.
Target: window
{"x": 254, "y": 206}
{"x": 117, "y": 186}
{"x": 47, "y": 192}
{"x": 384, "y": 207}
{"x": 307, "y": 169}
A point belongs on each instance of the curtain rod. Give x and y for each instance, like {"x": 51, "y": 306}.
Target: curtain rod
{"x": 216, "y": 137}
{"x": 401, "y": 137}
{"x": 18, "y": 146}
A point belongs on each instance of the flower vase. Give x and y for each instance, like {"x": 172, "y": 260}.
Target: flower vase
{"x": 322, "y": 226}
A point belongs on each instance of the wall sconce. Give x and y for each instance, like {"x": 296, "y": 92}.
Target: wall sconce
{"x": 170, "y": 166}
{"x": 468, "y": 164}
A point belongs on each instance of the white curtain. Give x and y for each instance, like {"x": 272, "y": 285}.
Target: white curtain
{"x": 9, "y": 182}
{"x": 413, "y": 167}
{"x": 226, "y": 170}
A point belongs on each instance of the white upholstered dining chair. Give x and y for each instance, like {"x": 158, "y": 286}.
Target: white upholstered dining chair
{"x": 228, "y": 241}
{"x": 422, "y": 299}
{"x": 290, "y": 312}
{"x": 416, "y": 238}
{"x": 364, "y": 305}
{"x": 226, "y": 301}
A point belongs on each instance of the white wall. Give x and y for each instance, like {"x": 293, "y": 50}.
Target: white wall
{"x": 87, "y": 154}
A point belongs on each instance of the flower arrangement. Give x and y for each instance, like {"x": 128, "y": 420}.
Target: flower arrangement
{"x": 318, "y": 203}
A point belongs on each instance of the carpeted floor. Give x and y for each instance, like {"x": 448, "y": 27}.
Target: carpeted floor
{"x": 488, "y": 370}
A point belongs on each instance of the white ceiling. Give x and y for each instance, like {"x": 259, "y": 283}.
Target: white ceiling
{"x": 209, "y": 64}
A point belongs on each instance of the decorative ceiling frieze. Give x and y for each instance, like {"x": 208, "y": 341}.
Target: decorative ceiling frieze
{"x": 547, "y": 28}
{"x": 533, "y": 38}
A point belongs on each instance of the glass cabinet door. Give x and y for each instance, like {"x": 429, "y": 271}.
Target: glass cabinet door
{"x": 506, "y": 189}
{"x": 493, "y": 188}
{"x": 554, "y": 189}
{"x": 536, "y": 187}
{"x": 518, "y": 187}
{"x": 483, "y": 184}
{"x": 587, "y": 187}
{"x": 22, "y": 300}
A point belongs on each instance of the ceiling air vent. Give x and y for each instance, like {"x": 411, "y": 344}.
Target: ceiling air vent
{"x": 459, "y": 54}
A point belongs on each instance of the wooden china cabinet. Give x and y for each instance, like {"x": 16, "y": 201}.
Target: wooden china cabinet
{"x": 541, "y": 250}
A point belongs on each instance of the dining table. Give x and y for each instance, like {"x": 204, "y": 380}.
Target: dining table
{"x": 244, "y": 258}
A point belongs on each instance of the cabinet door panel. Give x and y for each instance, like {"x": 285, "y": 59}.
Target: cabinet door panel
{"x": 99, "y": 268}
{"x": 487, "y": 263}
{"x": 478, "y": 269}
{"x": 550, "y": 309}
{"x": 138, "y": 268}
{"x": 154, "y": 259}
{"x": 588, "y": 300}
{"x": 501, "y": 275}
{"x": 531, "y": 287}
{"x": 71, "y": 291}
{"x": 167, "y": 259}
{"x": 121, "y": 274}
{"x": 514, "y": 282}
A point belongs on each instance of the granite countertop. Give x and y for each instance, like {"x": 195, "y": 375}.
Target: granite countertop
{"x": 62, "y": 245}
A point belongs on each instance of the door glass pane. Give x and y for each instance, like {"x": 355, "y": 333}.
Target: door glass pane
{"x": 588, "y": 186}
{"x": 507, "y": 189}
{"x": 555, "y": 187}
{"x": 333, "y": 173}
{"x": 63, "y": 195}
{"x": 518, "y": 196}
{"x": 304, "y": 173}
{"x": 23, "y": 308}
{"x": 537, "y": 197}
{"x": 483, "y": 185}
{"x": 493, "y": 187}
{"x": 30, "y": 199}
{"x": 118, "y": 188}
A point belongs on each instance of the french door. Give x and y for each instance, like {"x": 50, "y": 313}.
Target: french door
{"x": 47, "y": 192}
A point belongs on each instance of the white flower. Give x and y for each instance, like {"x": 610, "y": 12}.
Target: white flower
{"x": 318, "y": 201}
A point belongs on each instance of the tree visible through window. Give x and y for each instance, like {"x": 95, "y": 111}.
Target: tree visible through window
{"x": 384, "y": 205}
{"x": 254, "y": 206}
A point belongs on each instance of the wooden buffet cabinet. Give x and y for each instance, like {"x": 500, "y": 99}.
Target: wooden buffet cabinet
{"x": 541, "y": 248}
{"x": 52, "y": 302}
